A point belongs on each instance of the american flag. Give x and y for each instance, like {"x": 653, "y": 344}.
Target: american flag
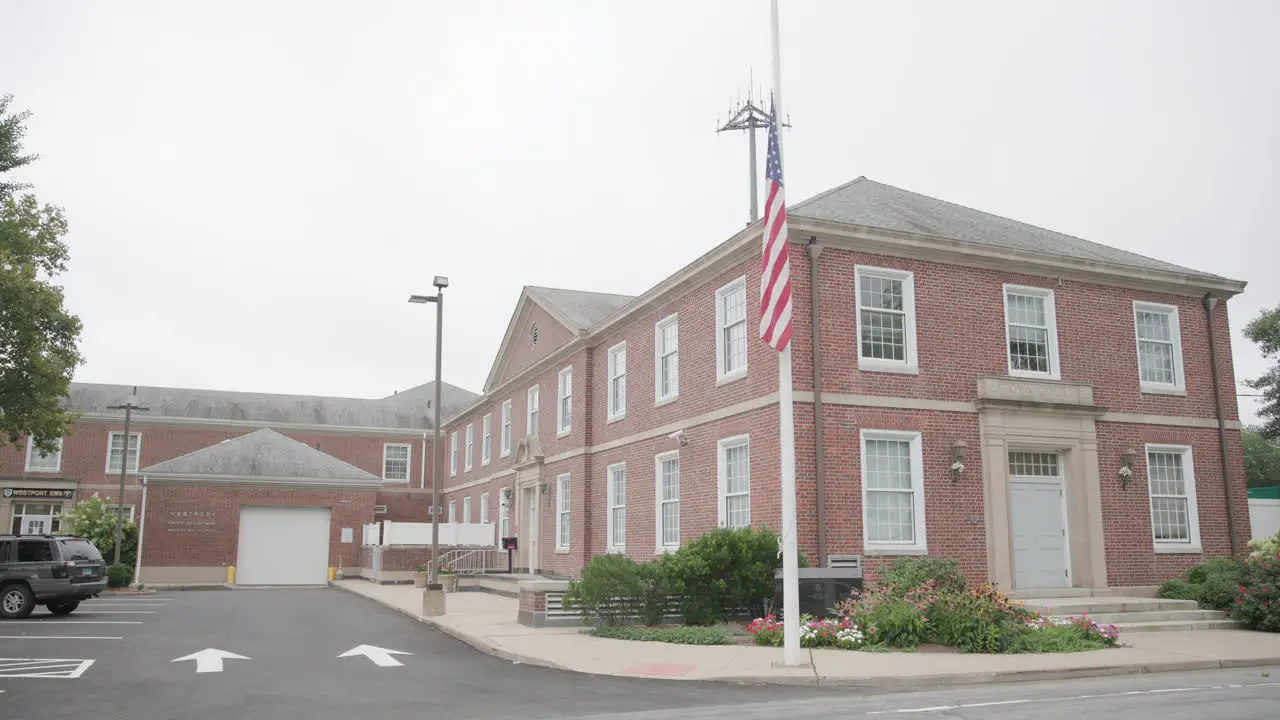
{"x": 775, "y": 270}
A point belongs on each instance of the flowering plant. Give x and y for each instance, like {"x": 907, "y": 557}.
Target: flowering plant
{"x": 957, "y": 467}
{"x": 1257, "y": 601}
{"x": 1108, "y": 634}
{"x": 842, "y": 633}
{"x": 1125, "y": 472}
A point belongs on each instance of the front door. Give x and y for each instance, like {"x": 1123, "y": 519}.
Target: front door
{"x": 529, "y": 528}
{"x": 33, "y": 525}
{"x": 1038, "y": 522}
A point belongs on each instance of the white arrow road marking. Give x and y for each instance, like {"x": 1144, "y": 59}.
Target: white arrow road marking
{"x": 210, "y": 659}
{"x": 380, "y": 656}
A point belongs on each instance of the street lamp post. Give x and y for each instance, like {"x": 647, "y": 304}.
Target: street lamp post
{"x": 433, "y": 573}
{"x": 130, "y": 404}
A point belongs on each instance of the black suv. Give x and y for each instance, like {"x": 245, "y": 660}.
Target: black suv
{"x": 57, "y": 571}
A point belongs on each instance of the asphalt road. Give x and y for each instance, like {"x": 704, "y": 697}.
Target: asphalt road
{"x": 291, "y": 640}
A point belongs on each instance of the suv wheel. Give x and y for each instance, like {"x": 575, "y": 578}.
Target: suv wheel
{"x": 63, "y": 608}
{"x": 16, "y": 602}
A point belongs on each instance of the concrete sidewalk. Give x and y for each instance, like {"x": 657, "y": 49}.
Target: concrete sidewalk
{"x": 488, "y": 623}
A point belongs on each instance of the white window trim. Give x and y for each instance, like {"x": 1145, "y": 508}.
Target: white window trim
{"x": 129, "y": 512}
{"x": 661, "y": 547}
{"x": 722, "y": 478}
{"x": 466, "y": 510}
{"x": 469, "y": 446}
{"x": 1193, "y": 546}
{"x": 564, "y": 387}
{"x": 124, "y": 458}
{"x": 609, "y": 365}
{"x": 453, "y": 454}
{"x": 504, "y": 515}
{"x": 911, "y": 365}
{"x": 721, "y": 376}
{"x": 31, "y": 450}
{"x": 505, "y": 430}
{"x": 564, "y": 489}
{"x": 658, "y": 327}
{"x": 408, "y": 466}
{"x": 920, "y": 546}
{"x": 1050, "y": 317}
{"x": 453, "y": 511}
{"x": 486, "y": 439}
{"x": 484, "y": 508}
{"x": 1179, "y": 386}
{"x": 613, "y": 504}
{"x": 530, "y": 406}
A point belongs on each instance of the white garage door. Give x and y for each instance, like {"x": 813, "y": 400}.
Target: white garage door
{"x": 283, "y": 546}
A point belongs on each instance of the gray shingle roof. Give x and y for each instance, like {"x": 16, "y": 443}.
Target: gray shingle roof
{"x": 407, "y": 409}
{"x": 582, "y": 309}
{"x": 872, "y": 204}
{"x": 263, "y": 453}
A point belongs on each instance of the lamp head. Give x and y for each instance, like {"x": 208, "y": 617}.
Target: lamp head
{"x": 440, "y": 281}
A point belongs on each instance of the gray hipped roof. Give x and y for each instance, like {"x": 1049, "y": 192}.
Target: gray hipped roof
{"x": 265, "y": 455}
{"x": 407, "y": 409}
{"x": 871, "y": 204}
{"x": 582, "y": 309}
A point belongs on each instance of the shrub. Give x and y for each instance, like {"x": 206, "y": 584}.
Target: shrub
{"x": 1056, "y": 639}
{"x": 723, "y": 573}
{"x": 1266, "y": 547}
{"x": 982, "y": 621}
{"x": 610, "y": 591}
{"x": 1218, "y": 591}
{"x": 1256, "y": 602}
{"x": 1178, "y": 589}
{"x": 890, "y": 616}
{"x": 909, "y": 573}
{"x": 119, "y": 575}
{"x": 1225, "y": 567}
{"x": 93, "y": 520}
{"x": 678, "y": 635}
{"x": 655, "y": 590}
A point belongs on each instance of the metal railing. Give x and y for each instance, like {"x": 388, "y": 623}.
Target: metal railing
{"x": 474, "y": 561}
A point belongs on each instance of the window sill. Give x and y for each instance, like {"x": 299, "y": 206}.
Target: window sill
{"x": 395, "y": 482}
{"x": 1178, "y": 550}
{"x": 1035, "y": 375}
{"x": 562, "y": 551}
{"x": 614, "y": 418}
{"x": 616, "y": 551}
{"x": 506, "y": 454}
{"x": 43, "y": 471}
{"x": 666, "y": 400}
{"x": 894, "y": 550}
{"x": 731, "y": 377}
{"x": 666, "y": 550}
{"x": 466, "y": 470}
{"x": 872, "y": 365}
{"x": 1164, "y": 390}
{"x": 485, "y": 463}
{"x": 564, "y": 433}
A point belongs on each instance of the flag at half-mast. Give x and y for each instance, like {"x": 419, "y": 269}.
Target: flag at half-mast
{"x": 775, "y": 271}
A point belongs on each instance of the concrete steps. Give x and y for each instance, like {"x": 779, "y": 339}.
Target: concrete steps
{"x": 1175, "y": 626}
{"x": 1134, "y": 614}
{"x": 504, "y": 585}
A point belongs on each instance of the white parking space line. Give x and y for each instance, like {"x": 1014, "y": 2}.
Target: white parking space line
{"x": 121, "y": 604}
{"x": 59, "y": 637}
{"x": 86, "y": 622}
{"x": 120, "y": 612}
{"x": 42, "y": 668}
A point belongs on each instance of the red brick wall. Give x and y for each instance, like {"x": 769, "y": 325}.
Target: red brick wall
{"x": 165, "y": 547}
{"x": 522, "y": 352}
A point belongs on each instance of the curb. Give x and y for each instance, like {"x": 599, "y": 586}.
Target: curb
{"x": 128, "y": 591}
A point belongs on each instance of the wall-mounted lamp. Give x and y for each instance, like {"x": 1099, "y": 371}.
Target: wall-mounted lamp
{"x": 1126, "y": 467}
{"x": 957, "y": 459}
{"x": 544, "y": 487}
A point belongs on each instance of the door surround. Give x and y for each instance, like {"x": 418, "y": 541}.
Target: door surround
{"x": 1033, "y": 415}
{"x": 527, "y": 514}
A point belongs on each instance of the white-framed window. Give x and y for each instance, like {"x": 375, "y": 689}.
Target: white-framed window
{"x": 667, "y": 513}
{"x": 886, "y": 321}
{"x": 466, "y": 509}
{"x": 453, "y": 511}
{"x": 42, "y": 463}
{"x": 36, "y": 518}
{"x": 1175, "y": 516}
{"x": 531, "y": 413}
{"x": 564, "y": 402}
{"x": 128, "y": 512}
{"x": 1159, "y": 338}
{"x": 486, "y": 439}
{"x": 563, "y": 511}
{"x": 892, "y": 492}
{"x": 617, "y": 518}
{"x": 617, "y": 381}
{"x": 1031, "y": 331}
{"x": 731, "y": 331}
{"x": 504, "y": 442}
{"x": 115, "y": 451}
{"x": 469, "y": 447}
{"x": 504, "y": 519}
{"x": 453, "y": 453}
{"x": 484, "y": 509}
{"x": 395, "y": 461}
{"x": 666, "y": 358}
{"x": 734, "y": 480}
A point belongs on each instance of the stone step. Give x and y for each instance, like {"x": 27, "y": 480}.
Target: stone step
{"x": 1105, "y": 605}
{"x": 504, "y": 586}
{"x": 1178, "y": 626}
{"x": 1156, "y": 616}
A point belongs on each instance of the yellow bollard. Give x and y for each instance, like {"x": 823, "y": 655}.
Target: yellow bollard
{"x": 231, "y": 574}
{"x": 333, "y": 574}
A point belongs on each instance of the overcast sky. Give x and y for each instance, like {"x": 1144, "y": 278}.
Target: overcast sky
{"x": 254, "y": 188}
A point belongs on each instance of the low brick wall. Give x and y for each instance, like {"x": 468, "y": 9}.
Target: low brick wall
{"x": 536, "y": 596}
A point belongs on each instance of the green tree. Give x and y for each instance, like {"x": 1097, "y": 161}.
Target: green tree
{"x": 1261, "y": 459}
{"x": 38, "y": 337}
{"x": 1265, "y": 330}
{"x": 93, "y": 520}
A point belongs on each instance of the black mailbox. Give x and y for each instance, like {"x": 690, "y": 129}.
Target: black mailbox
{"x": 508, "y": 543}
{"x": 821, "y": 589}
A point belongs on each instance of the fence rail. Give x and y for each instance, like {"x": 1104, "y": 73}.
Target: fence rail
{"x": 474, "y": 561}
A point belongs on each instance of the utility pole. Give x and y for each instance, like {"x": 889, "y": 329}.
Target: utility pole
{"x": 747, "y": 115}
{"x": 130, "y": 404}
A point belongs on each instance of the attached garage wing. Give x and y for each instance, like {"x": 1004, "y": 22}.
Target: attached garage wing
{"x": 283, "y": 546}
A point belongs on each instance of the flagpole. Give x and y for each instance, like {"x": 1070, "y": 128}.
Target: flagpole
{"x": 787, "y": 430}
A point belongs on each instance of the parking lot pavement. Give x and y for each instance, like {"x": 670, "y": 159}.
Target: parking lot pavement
{"x": 284, "y": 653}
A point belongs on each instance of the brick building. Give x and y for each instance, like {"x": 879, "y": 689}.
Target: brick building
{"x": 378, "y": 447}
{"x": 1044, "y": 409}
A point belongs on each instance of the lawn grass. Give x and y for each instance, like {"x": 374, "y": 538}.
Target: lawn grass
{"x": 677, "y": 635}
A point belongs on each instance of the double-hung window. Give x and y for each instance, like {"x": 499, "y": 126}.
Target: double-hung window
{"x": 734, "y": 465}
{"x": 886, "y": 320}
{"x": 1159, "y": 347}
{"x": 617, "y": 381}
{"x": 731, "y": 331}
{"x": 395, "y": 462}
{"x": 466, "y": 509}
{"x": 470, "y": 446}
{"x": 563, "y": 508}
{"x": 1031, "y": 327}
{"x": 892, "y": 492}
{"x": 667, "y": 531}
{"x": 484, "y": 508}
{"x": 531, "y": 413}
{"x": 666, "y": 371}
{"x": 115, "y": 451}
{"x": 617, "y": 519}
{"x": 564, "y": 402}
{"x": 504, "y": 444}
{"x": 504, "y": 519}
{"x": 453, "y": 511}
{"x": 453, "y": 453}
{"x": 486, "y": 439}
{"x": 1171, "y": 479}
{"x": 42, "y": 463}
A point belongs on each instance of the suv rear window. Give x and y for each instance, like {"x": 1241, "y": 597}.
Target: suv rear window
{"x": 77, "y": 549}
{"x": 35, "y": 551}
